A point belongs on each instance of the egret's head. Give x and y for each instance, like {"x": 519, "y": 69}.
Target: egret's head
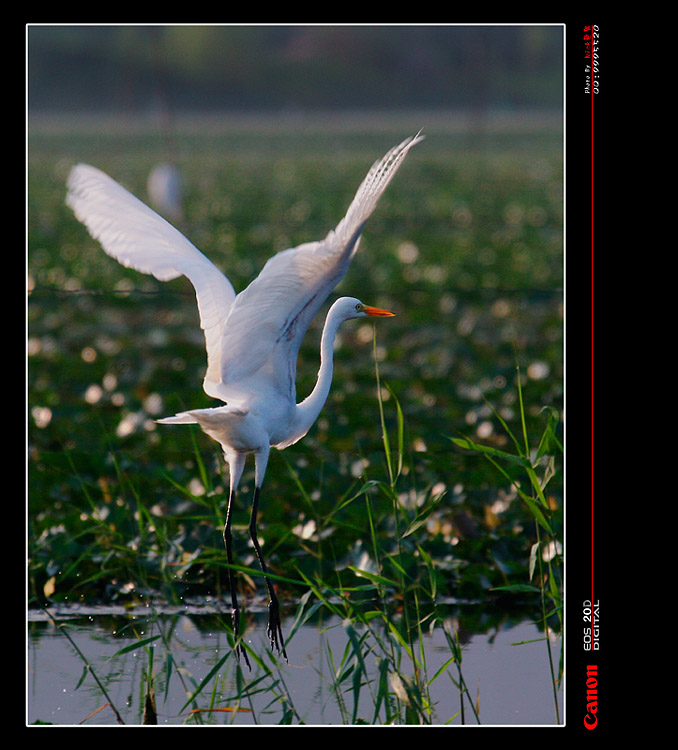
{"x": 350, "y": 307}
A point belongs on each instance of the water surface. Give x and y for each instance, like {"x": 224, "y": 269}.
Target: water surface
{"x": 506, "y": 671}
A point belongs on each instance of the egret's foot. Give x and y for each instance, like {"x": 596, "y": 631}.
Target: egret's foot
{"x": 239, "y": 648}
{"x": 274, "y": 629}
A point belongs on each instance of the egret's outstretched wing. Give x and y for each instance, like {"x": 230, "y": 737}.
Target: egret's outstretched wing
{"x": 268, "y": 320}
{"x": 139, "y": 238}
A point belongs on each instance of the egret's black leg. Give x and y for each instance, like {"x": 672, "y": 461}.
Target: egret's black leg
{"x": 235, "y": 611}
{"x": 274, "y": 628}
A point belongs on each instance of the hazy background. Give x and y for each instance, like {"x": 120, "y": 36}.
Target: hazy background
{"x": 145, "y": 69}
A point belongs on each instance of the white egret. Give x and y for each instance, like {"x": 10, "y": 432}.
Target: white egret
{"x": 252, "y": 338}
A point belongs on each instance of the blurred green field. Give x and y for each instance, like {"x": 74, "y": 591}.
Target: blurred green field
{"x": 466, "y": 248}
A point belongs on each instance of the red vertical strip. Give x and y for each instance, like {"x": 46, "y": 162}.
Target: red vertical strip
{"x": 592, "y": 351}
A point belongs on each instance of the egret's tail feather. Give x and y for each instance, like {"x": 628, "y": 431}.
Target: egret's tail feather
{"x": 182, "y": 418}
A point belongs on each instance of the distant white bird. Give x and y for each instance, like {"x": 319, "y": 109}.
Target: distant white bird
{"x": 252, "y": 338}
{"x": 166, "y": 191}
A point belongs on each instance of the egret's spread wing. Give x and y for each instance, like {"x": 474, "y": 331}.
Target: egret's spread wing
{"x": 372, "y": 188}
{"x": 137, "y": 237}
{"x": 268, "y": 320}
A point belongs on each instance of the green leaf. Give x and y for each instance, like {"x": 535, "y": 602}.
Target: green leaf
{"x": 372, "y": 577}
{"x": 401, "y": 428}
{"x": 135, "y": 645}
{"x": 518, "y": 588}
{"x": 487, "y": 450}
{"x": 398, "y": 687}
{"x": 533, "y": 559}
{"x": 549, "y": 441}
{"x": 421, "y": 519}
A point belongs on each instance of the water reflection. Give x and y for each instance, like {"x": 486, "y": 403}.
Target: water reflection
{"x": 184, "y": 647}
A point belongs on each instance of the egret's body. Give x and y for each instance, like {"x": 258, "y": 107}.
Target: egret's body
{"x": 252, "y": 338}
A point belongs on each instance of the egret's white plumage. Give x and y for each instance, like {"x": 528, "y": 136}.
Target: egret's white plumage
{"x": 252, "y": 338}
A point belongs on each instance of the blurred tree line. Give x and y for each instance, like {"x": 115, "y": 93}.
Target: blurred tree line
{"x": 203, "y": 68}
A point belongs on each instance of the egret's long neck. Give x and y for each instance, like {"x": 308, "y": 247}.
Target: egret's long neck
{"x": 309, "y": 409}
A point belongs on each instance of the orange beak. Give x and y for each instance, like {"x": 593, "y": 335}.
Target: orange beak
{"x": 377, "y": 312}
